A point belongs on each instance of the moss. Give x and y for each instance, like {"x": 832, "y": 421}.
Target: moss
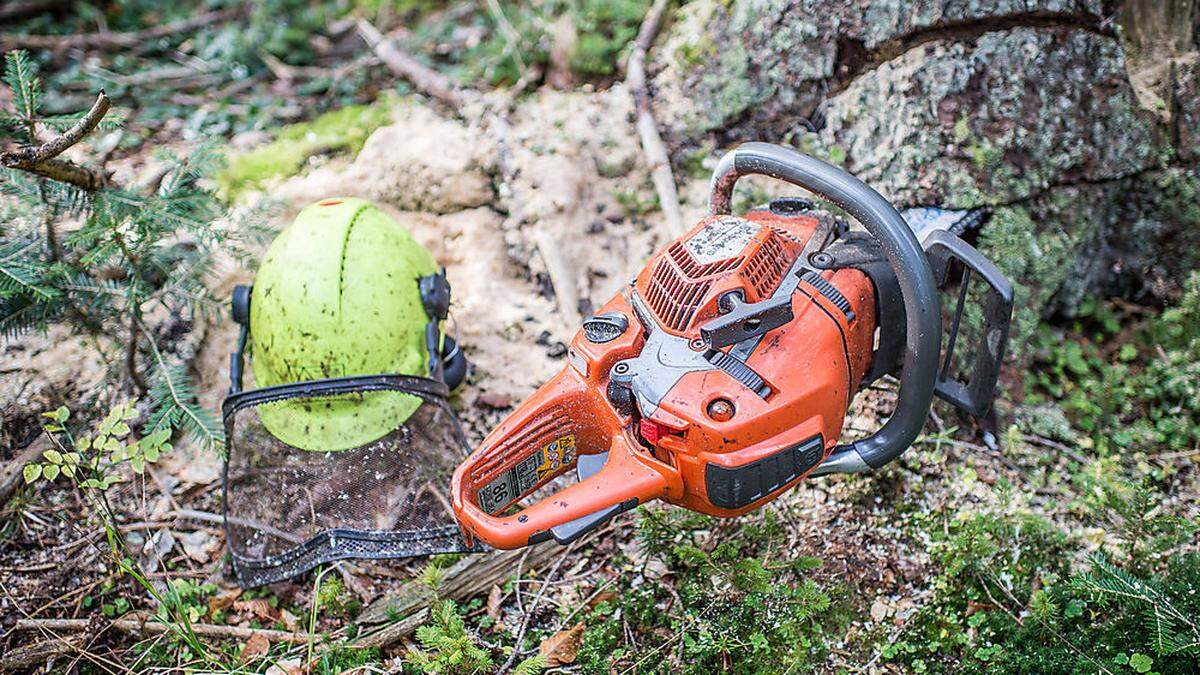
{"x": 340, "y": 131}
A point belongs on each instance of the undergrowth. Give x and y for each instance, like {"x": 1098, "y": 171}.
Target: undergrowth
{"x": 712, "y": 604}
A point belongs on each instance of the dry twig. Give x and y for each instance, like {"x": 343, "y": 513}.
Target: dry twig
{"x": 652, "y": 144}
{"x": 107, "y": 40}
{"x": 425, "y": 79}
{"x": 147, "y": 626}
{"x": 43, "y": 159}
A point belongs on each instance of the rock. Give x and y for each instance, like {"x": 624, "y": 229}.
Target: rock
{"x": 1000, "y": 120}
{"x": 759, "y": 65}
{"x": 423, "y": 162}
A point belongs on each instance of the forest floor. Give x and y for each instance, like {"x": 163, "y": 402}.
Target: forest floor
{"x": 539, "y": 218}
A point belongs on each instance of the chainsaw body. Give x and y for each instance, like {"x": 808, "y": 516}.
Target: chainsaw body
{"x": 721, "y": 376}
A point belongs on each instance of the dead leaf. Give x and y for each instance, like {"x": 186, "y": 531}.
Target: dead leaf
{"x": 285, "y": 667}
{"x": 880, "y": 610}
{"x": 603, "y": 596}
{"x": 493, "y": 603}
{"x": 562, "y": 647}
{"x": 198, "y": 545}
{"x": 259, "y": 607}
{"x": 290, "y": 621}
{"x": 256, "y": 646}
{"x": 223, "y": 600}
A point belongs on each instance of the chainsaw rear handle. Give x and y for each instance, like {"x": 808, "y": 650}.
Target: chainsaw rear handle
{"x": 922, "y": 306}
{"x": 626, "y": 479}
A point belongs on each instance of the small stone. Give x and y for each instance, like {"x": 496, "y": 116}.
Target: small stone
{"x": 494, "y": 401}
{"x": 879, "y": 611}
{"x": 557, "y": 350}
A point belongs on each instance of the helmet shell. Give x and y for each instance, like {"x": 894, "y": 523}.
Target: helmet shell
{"x": 335, "y": 296}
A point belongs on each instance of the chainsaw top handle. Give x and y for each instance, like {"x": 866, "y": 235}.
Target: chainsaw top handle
{"x": 903, "y": 252}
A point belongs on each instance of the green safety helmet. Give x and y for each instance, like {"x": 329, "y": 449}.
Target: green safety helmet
{"x": 345, "y": 290}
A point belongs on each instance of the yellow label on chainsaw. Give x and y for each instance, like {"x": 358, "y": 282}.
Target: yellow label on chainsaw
{"x": 527, "y": 474}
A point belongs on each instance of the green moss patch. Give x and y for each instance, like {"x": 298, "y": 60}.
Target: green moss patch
{"x": 340, "y": 131}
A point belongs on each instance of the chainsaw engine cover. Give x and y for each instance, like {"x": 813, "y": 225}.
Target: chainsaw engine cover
{"x": 723, "y": 373}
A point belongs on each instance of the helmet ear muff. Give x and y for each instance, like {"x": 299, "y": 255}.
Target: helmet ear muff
{"x": 239, "y": 303}
{"x": 446, "y": 361}
{"x": 454, "y": 363}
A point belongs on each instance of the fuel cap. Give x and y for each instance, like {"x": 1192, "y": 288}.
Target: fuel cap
{"x": 601, "y": 328}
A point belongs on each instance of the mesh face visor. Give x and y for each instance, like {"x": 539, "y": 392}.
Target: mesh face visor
{"x": 294, "y": 499}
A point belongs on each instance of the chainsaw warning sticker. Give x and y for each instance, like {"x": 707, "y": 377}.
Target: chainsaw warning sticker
{"x": 721, "y": 239}
{"x": 527, "y": 474}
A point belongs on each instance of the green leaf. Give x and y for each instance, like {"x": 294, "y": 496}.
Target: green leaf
{"x": 1140, "y": 662}
{"x": 54, "y": 456}
{"x": 150, "y": 452}
{"x": 50, "y": 471}
{"x": 32, "y": 472}
{"x": 60, "y": 415}
{"x": 137, "y": 463}
{"x": 68, "y": 470}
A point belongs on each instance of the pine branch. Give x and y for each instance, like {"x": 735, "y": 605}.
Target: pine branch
{"x": 174, "y": 401}
{"x": 43, "y": 159}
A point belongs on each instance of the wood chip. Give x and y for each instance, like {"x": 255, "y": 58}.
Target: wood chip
{"x": 494, "y": 401}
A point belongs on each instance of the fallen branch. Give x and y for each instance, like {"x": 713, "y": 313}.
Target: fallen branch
{"x": 468, "y": 577}
{"x": 38, "y": 653}
{"x": 652, "y": 145}
{"x": 43, "y": 159}
{"x": 425, "y": 79}
{"x": 109, "y": 40}
{"x": 21, "y": 8}
{"x": 146, "y": 626}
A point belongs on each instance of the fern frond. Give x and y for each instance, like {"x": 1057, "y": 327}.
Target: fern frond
{"x": 533, "y": 665}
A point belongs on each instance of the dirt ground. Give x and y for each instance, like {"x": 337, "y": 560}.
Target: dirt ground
{"x": 535, "y": 226}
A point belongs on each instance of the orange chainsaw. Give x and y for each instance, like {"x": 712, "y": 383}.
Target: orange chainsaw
{"x": 721, "y": 376}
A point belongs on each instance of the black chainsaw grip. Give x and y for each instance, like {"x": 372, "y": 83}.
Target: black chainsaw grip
{"x": 902, "y": 250}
